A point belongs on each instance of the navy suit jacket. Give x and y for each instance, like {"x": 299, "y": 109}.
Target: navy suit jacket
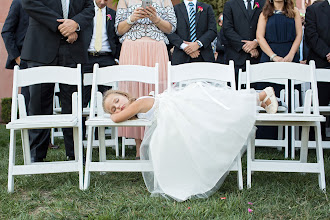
{"x": 111, "y": 32}
{"x": 42, "y": 39}
{"x": 206, "y": 32}
{"x": 238, "y": 26}
{"x": 13, "y": 32}
{"x": 317, "y": 33}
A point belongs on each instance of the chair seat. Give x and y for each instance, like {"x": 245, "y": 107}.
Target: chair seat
{"x": 279, "y": 110}
{"x": 44, "y": 121}
{"x": 105, "y": 121}
{"x": 289, "y": 117}
{"x": 325, "y": 110}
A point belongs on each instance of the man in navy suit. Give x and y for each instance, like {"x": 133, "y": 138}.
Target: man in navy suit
{"x": 240, "y": 19}
{"x": 54, "y": 38}
{"x": 317, "y": 35}
{"x": 199, "y": 49}
{"x": 13, "y": 34}
{"x": 108, "y": 52}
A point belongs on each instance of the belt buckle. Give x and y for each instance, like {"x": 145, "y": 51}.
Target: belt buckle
{"x": 96, "y": 54}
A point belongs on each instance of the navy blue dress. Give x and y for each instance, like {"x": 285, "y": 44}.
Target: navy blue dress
{"x": 280, "y": 34}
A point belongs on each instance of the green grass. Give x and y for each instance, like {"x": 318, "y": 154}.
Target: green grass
{"x": 124, "y": 195}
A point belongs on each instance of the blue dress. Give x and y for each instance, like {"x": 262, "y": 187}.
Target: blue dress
{"x": 280, "y": 35}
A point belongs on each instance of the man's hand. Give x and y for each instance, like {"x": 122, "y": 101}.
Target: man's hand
{"x": 254, "y": 53}
{"x": 67, "y": 27}
{"x": 249, "y": 45}
{"x": 72, "y": 38}
{"x": 18, "y": 60}
{"x": 194, "y": 54}
{"x": 328, "y": 57}
{"x": 192, "y": 47}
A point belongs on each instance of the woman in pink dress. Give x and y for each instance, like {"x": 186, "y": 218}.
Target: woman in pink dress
{"x": 142, "y": 31}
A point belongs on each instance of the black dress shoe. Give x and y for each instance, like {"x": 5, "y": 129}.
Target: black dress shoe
{"x": 70, "y": 158}
{"x": 52, "y": 146}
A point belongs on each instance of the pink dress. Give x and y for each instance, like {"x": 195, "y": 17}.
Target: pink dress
{"x": 144, "y": 44}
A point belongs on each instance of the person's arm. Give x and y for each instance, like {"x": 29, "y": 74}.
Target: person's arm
{"x": 142, "y": 105}
{"x": 163, "y": 25}
{"x": 211, "y": 32}
{"x": 313, "y": 39}
{"x": 41, "y": 13}
{"x": 294, "y": 48}
{"x": 261, "y": 31}
{"x": 234, "y": 39}
{"x": 85, "y": 17}
{"x": 8, "y": 31}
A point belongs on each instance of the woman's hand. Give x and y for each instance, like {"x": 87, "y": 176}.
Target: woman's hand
{"x": 151, "y": 13}
{"x": 138, "y": 14}
{"x": 278, "y": 59}
{"x": 288, "y": 58}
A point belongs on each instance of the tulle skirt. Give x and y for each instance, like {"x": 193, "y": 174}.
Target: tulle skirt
{"x": 196, "y": 135}
{"x": 145, "y": 52}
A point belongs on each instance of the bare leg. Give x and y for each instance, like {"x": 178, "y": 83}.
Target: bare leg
{"x": 138, "y": 145}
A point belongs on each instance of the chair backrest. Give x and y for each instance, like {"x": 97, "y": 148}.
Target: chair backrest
{"x": 322, "y": 75}
{"x": 45, "y": 74}
{"x": 120, "y": 73}
{"x": 201, "y": 71}
{"x": 284, "y": 70}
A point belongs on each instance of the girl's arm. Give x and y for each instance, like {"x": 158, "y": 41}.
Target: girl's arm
{"x": 140, "y": 106}
{"x": 289, "y": 57}
{"x": 261, "y": 31}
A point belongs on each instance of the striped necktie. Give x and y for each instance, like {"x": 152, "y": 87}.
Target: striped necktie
{"x": 192, "y": 23}
{"x": 64, "y": 9}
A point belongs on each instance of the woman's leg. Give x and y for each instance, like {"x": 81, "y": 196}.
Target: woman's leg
{"x": 138, "y": 145}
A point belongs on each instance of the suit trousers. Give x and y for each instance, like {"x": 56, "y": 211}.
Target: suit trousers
{"x": 103, "y": 61}
{"x": 41, "y": 103}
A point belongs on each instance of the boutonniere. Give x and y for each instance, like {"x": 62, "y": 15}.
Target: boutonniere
{"x": 109, "y": 17}
{"x": 256, "y": 5}
{"x": 200, "y": 8}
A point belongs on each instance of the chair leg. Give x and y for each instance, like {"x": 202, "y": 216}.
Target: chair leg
{"x": 123, "y": 147}
{"x": 81, "y": 157}
{"x": 114, "y": 137}
{"x": 239, "y": 171}
{"x": 319, "y": 155}
{"x": 280, "y": 135}
{"x": 250, "y": 145}
{"x": 286, "y": 141}
{"x": 12, "y": 150}
{"x": 26, "y": 147}
{"x": 88, "y": 157}
{"x": 76, "y": 143}
{"x": 293, "y": 141}
{"x": 102, "y": 149}
{"x": 304, "y": 144}
{"x": 52, "y": 131}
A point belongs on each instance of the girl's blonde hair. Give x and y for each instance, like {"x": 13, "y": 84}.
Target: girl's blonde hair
{"x": 109, "y": 92}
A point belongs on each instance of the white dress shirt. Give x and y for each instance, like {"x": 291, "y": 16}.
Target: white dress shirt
{"x": 105, "y": 42}
{"x": 246, "y": 3}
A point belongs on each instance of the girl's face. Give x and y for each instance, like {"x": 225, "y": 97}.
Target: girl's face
{"x": 116, "y": 103}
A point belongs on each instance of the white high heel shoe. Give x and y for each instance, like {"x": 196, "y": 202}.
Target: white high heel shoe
{"x": 273, "y": 106}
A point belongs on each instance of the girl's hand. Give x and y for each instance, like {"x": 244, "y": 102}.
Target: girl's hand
{"x": 138, "y": 14}
{"x": 278, "y": 59}
{"x": 151, "y": 13}
{"x": 288, "y": 58}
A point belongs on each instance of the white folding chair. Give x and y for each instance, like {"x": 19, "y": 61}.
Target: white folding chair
{"x": 103, "y": 76}
{"x": 322, "y": 75}
{"x": 31, "y": 76}
{"x": 292, "y": 71}
{"x": 209, "y": 72}
{"x": 56, "y": 132}
{"x": 113, "y": 142}
{"x": 281, "y": 141}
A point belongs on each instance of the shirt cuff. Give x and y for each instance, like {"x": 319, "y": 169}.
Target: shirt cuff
{"x": 78, "y": 29}
{"x": 183, "y": 45}
{"x": 200, "y": 44}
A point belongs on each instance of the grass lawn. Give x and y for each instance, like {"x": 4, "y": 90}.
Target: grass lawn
{"x": 124, "y": 195}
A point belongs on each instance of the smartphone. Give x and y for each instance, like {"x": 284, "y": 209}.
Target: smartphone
{"x": 146, "y": 3}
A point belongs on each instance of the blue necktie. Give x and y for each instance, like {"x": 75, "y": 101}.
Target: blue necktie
{"x": 192, "y": 23}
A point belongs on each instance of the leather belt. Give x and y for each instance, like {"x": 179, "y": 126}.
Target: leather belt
{"x": 96, "y": 54}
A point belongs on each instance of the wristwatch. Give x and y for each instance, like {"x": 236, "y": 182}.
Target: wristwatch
{"x": 199, "y": 43}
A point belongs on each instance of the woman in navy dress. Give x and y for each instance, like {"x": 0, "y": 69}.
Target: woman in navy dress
{"x": 279, "y": 34}
{"x": 279, "y": 31}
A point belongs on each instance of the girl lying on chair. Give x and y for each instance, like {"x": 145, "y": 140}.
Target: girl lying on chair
{"x": 195, "y": 136}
